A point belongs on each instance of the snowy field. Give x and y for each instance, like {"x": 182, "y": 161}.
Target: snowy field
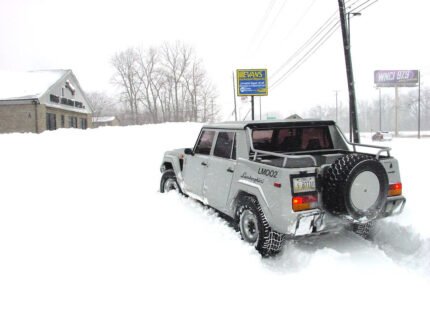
{"x": 85, "y": 236}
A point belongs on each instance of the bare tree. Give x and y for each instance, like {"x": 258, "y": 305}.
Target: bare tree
{"x": 176, "y": 61}
{"x": 163, "y": 84}
{"x": 101, "y": 104}
{"x": 126, "y": 77}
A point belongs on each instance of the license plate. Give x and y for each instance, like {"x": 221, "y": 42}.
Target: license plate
{"x": 304, "y": 184}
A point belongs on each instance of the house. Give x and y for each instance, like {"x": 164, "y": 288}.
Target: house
{"x": 36, "y": 101}
{"x": 105, "y": 121}
{"x": 294, "y": 117}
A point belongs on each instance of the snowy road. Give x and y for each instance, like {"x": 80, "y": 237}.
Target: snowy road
{"x": 85, "y": 236}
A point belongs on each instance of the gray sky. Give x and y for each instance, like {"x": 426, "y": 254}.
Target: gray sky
{"x": 83, "y": 35}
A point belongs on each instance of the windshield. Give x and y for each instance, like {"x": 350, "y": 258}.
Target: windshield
{"x": 292, "y": 139}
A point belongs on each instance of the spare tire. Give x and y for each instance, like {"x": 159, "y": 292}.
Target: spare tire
{"x": 355, "y": 184}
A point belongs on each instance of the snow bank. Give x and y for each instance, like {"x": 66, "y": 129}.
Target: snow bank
{"x": 85, "y": 236}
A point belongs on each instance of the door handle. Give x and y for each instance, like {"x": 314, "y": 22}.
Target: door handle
{"x": 230, "y": 170}
{"x": 204, "y": 164}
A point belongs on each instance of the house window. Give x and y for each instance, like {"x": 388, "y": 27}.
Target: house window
{"x": 73, "y": 122}
{"x": 84, "y": 123}
{"x": 51, "y": 121}
{"x": 54, "y": 98}
{"x": 63, "y": 121}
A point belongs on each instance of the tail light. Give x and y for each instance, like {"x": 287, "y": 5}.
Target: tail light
{"x": 395, "y": 189}
{"x": 304, "y": 202}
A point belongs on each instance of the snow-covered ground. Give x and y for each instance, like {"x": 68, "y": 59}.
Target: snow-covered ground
{"x": 85, "y": 236}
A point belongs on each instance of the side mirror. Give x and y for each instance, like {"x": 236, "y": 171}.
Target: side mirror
{"x": 188, "y": 151}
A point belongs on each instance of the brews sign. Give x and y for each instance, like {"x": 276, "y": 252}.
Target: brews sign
{"x": 251, "y": 82}
{"x": 396, "y": 78}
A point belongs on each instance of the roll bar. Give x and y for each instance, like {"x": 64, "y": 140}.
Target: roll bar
{"x": 355, "y": 145}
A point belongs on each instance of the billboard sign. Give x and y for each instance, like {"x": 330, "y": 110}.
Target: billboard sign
{"x": 396, "y": 78}
{"x": 252, "y": 82}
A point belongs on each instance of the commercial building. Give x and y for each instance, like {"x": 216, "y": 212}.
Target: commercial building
{"x": 36, "y": 101}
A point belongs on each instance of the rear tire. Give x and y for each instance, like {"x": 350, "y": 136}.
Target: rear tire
{"x": 255, "y": 229}
{"x": 363, "y": 230}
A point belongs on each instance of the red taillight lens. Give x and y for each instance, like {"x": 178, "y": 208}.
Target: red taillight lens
{"x": 304, "y": 202}
{"x": 395, "y": 189}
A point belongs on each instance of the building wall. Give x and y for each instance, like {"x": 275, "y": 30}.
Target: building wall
{"x": 22, "y": 118}
{"x": 17, "y": 118}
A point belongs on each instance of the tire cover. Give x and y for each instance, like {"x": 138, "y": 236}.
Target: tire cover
{"x": 357, "y": 185}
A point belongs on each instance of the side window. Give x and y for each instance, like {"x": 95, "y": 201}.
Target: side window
{"x": 224, "y": 145}
{"x": 205, "y": 143}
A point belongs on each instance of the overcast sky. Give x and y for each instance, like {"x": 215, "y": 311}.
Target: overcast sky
{"x": 82, "y": 35}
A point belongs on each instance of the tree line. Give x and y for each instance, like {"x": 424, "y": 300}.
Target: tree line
{"x": 160, "y": 84}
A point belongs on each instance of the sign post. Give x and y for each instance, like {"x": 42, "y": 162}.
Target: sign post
{"x": 396, "y": 79}
{"x": 252, "y": 82}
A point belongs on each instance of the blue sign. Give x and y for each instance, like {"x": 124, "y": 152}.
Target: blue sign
{"x": 252, "y": 82}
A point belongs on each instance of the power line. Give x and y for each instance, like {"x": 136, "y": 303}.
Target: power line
{"x": 262, "y": 21}
{"x": 369, "y": 5}
{"x": 272, "y": 24}
{"x": 308, "y": 54}
{"x": 351, "y": 4}
{"x": 359, "y": 6}
{"x": 302, "y": 17}
{"x": 319, "y": 31}
{"x": 323, "y": 39}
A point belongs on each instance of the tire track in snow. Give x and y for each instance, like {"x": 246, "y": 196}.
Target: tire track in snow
{"x": 403, "y": 245}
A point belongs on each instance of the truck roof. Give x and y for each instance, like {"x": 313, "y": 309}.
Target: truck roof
{"x": 264, "y": 124}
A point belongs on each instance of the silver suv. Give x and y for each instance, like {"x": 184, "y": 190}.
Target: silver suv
{"x": 279, "y": 180}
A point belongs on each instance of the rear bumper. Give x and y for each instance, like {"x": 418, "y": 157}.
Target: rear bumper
{"x": 394, "y": 205}
{"x": 309, "y": 222}
{"x": 317, "y": 222}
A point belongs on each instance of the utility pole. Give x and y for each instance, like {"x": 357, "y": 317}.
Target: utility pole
{"x": 252, "y": 107}
{"x": 396, "y": 107}
{"x": 260, "y": 107}
{"x": 350, "y": 76}
{"x": 234, "y": 95}
{"x": 380, "y": 111}
{"x": 419, "y": 104}
{"x": 336, "y": 91}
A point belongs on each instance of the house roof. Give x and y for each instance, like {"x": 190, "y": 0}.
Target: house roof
{"x": 28, "y": 85}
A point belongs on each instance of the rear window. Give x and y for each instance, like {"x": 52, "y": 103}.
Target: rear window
{"x": 293, "y": 139}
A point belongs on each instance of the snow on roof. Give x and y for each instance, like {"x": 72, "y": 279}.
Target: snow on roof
{"x": 27, "y": 85}
{"x": 103, "y": 119}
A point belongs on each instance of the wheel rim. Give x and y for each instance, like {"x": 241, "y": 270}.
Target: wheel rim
{"x": 365, "y": 190}
{"x": 170, "y": 185}
{"x": 249, "y": 226}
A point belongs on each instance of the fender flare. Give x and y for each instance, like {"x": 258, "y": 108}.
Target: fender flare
{"x": 245, "y": 187}
{"x": 172, "y": 162}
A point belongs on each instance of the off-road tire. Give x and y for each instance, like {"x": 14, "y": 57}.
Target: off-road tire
{"x": 363, "y": 230}
{"x": 169, "y": 182}
{"x": 338, "y": 183}
{"x": 268, "y": 242}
